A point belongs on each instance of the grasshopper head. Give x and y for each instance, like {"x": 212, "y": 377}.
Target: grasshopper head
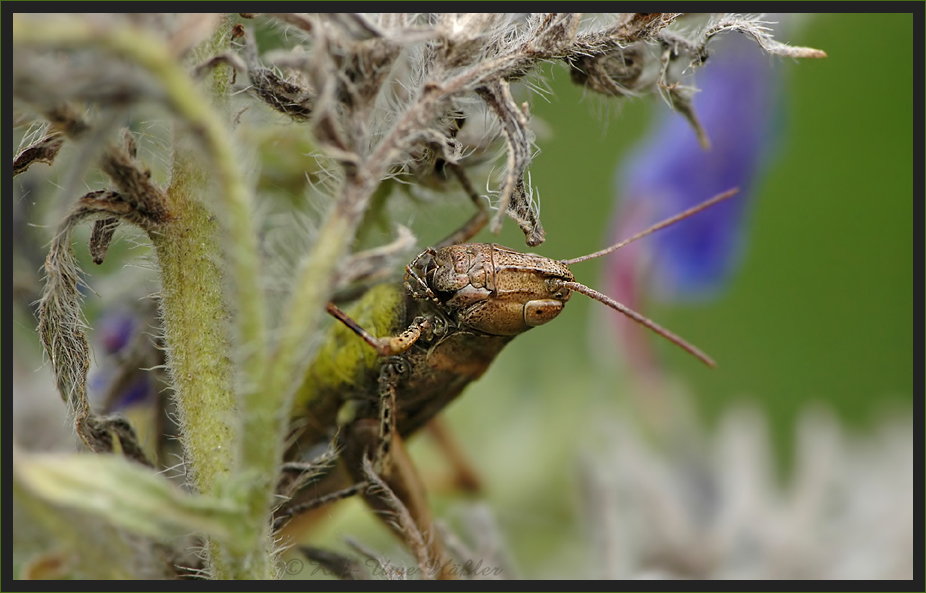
{"x": 490, "y": 288}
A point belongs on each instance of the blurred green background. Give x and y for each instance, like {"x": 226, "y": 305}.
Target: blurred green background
{"x": 820, "y": 313}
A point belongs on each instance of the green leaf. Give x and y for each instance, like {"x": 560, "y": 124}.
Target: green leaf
{"x": 126, "y": 494}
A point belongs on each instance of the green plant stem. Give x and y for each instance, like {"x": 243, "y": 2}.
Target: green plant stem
{"x": 195, "y": 310}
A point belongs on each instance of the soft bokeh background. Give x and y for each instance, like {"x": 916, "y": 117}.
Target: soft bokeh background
{"x": 820, "y": 313}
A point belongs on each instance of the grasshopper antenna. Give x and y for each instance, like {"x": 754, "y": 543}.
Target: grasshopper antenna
{"x": 644, "y": 321}
{"x": 659, "y": 225}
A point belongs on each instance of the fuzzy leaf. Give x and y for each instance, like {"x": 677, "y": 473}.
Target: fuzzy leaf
{"x": 126, "y": 494}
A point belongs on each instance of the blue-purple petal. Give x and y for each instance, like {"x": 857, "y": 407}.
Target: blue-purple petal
{"x": 116, "y": 329}
{"x": 670, "y": 172}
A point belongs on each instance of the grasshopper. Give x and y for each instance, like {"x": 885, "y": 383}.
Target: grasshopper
{"x": 459, "y": 305}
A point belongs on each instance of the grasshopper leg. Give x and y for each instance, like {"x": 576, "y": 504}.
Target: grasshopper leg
{"x": 464, "y": 476}
{"x": 285, "y": 513}
{"x": 389, "y": 346}
{"x": 332, "y": 563}
{"x": 388, "y": 380}
{"x": 297, "y": 475}
{"x": 405, "y": 487}
{"x": 392, "y": 469}
{"x": 390, "y": 374}
{"x": 421, "y": 288}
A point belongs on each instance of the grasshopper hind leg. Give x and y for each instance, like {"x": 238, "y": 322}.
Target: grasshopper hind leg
{"x": 298, "y": 481}
{"x": 286, "y": 512}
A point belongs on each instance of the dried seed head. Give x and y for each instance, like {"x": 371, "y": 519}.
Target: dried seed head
{"x": 614, "y": 73}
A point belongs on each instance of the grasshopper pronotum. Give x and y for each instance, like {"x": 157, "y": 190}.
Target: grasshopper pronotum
{"x": 459, "y": 305}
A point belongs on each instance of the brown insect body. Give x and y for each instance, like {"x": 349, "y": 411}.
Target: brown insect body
{"x": 483, "y": 295}
{"x": 474, "y": 298}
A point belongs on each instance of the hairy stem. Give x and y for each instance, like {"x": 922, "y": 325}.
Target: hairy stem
{"x": 195, "y": 310}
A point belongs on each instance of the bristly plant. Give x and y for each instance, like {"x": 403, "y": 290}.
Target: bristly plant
{"x": 385, "y": 99}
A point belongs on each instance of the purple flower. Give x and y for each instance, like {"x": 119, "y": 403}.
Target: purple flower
{"x": 121, "y": 381}
{"x": 116, "y": 329}
{"x": 670, "y": 172}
